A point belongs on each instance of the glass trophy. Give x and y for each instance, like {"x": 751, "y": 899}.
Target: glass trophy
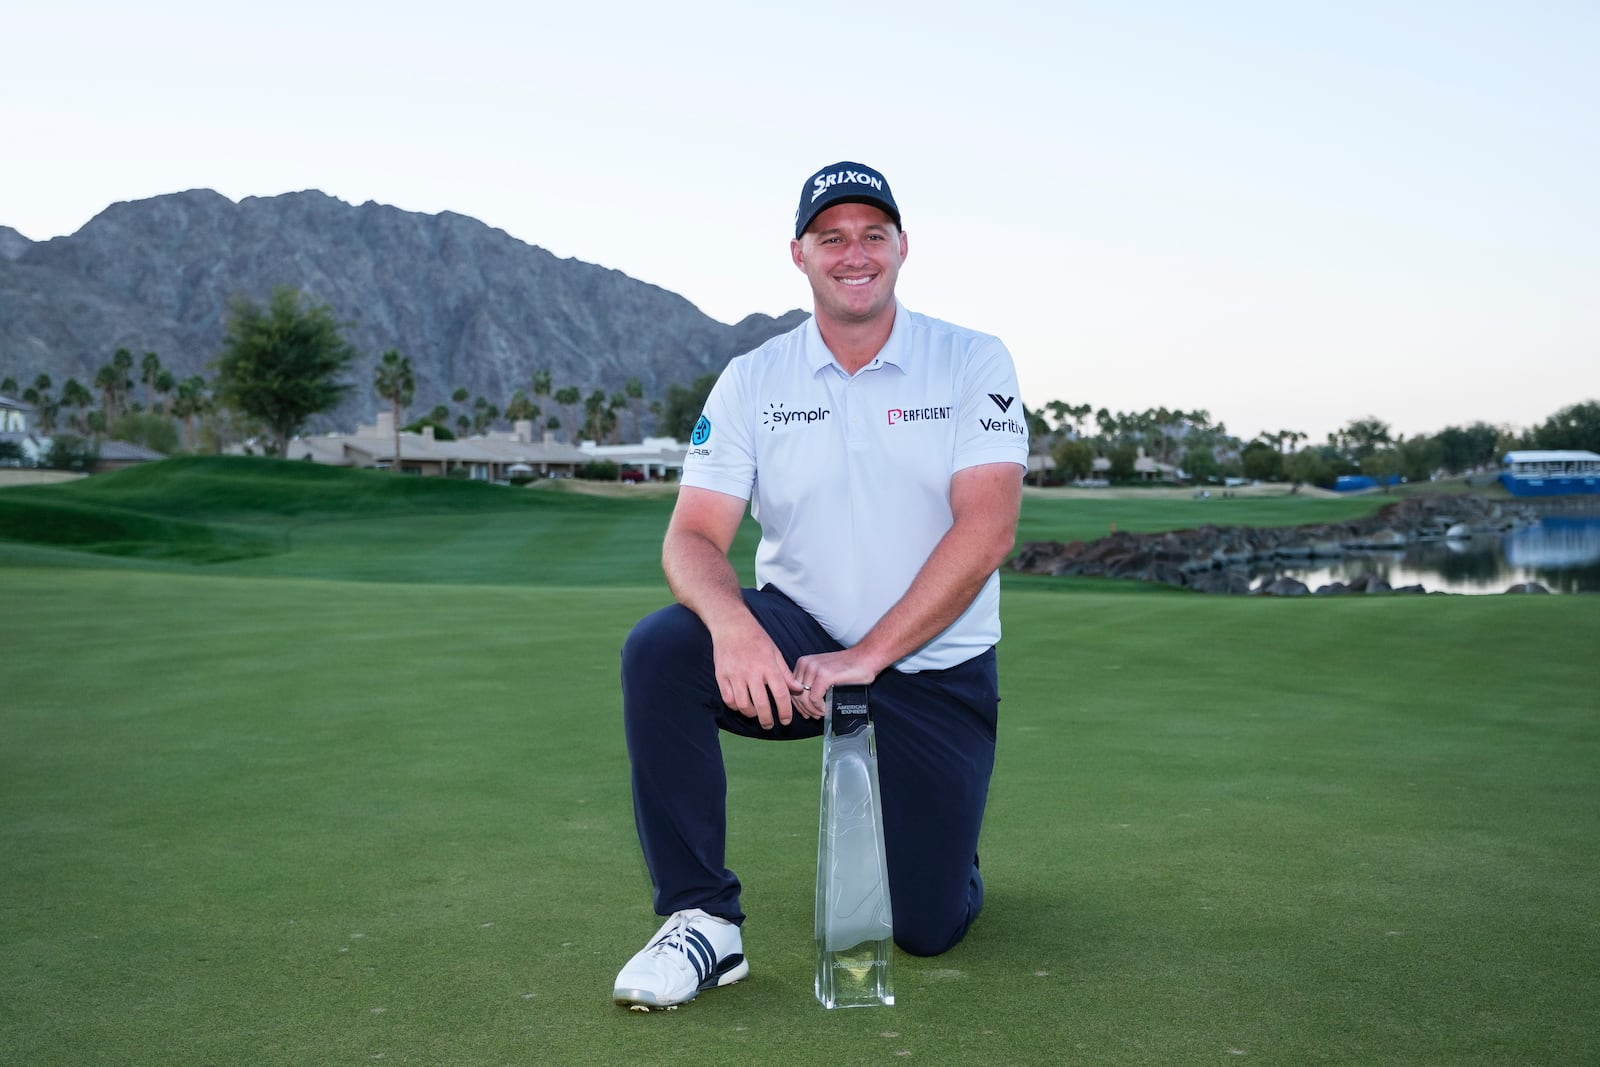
{"x": 854, "y": 926}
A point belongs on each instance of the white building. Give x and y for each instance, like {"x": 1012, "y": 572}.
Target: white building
{"x": 491, "y": 457}
{"x": 13, "y": 417}
{"x": 658, "y": 458}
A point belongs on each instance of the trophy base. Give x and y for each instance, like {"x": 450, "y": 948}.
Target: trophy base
{"x": 856, "y": 977}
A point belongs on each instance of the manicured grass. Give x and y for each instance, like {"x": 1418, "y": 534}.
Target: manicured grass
{"x": 254, "y": 813}
{"x": 1067, "y": 515}
{"x": 304, "y": 520}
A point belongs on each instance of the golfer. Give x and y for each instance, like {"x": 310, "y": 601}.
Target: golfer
{"x": 882, "y": 452}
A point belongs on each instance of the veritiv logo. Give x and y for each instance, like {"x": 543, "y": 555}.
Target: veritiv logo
{"x": 1003, "y": 425}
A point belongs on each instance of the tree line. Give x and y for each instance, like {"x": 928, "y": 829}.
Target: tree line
{"x": 284, "y": 362}
{"x": 287, "y": 360}
{"x": 1076, "y": 436}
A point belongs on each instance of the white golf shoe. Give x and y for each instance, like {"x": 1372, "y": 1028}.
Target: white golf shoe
{"x": 693, "y": 951}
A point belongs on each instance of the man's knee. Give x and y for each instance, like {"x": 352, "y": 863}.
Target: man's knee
{"x": 928, "y": 939}
{"x": 930, "y": 928}
{"x": 662, "y": 640}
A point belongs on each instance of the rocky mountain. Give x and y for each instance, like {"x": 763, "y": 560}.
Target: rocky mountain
{"x": 471, "y": 306}
{"x": 12, "y": 243}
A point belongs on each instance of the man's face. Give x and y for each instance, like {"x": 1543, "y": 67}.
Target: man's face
{"x": 852, "y": 255}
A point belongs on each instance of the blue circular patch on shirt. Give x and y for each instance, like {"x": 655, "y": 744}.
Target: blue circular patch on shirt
{"x": 702, "y": 431}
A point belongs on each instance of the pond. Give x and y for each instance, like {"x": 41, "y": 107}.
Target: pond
{"x": 1561, "y": 553}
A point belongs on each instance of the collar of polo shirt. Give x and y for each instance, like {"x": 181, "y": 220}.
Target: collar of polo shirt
{"x": 892, "y": 352}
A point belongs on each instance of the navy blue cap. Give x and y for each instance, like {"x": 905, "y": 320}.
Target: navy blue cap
{"x": 843, "y": 183}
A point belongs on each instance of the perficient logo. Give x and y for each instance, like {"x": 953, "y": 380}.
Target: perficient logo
{"x": 899, "y": 415}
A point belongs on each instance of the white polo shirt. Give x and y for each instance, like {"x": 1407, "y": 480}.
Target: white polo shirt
{"x": 849, "y": 477}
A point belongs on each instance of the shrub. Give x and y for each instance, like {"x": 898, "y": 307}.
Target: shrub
{"x": 148, "y": 429}
{"x": 601, "y": 470}
{"x": 69, "y": 453}
{"x": 441, "y": 432}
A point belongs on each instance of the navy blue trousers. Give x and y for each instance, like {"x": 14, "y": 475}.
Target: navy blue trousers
{"x": 935, "y": 737}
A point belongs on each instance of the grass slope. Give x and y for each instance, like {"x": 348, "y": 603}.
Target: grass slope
{"x": 237, "y": 515}
{"x": 283, "y": 818}
{"x": 261, "y": 517}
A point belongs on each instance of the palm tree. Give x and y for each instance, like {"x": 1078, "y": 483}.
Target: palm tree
{"x": 191, "y": 401}
{"x": 149, "y": 369}
{"x": 635, "y": 390}
{"x": 113, "y": 382}
{"x": 1038, "y": 437}
{"x": 76, "y": 396}
{"x": 166, "y": 382}
{"x": 122, "y": 362}
{"x": 1058, "y": 410}
{"x": 568, "y": 397}
{"x": 519, "y": 407}
{"x": 1172, "y": 433}
{"x": 394, "y": 382}
{"x": 592, "y": 406}
{"x": 1367, "y": 435}
{"x": 105, "y": 380}
{"x": 616, "y": 403}
{"x": 44, "y": 405}
{"x": 483, "y": 414}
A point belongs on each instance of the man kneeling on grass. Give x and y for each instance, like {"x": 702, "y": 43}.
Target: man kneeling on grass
{"x": 882, "y": 453}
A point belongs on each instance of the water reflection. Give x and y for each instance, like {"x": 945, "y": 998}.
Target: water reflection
{"x": 1562, "y": 553}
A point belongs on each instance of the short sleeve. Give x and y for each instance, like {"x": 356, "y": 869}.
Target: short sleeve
{"x": 993, "y": 427}
{"x": 721, "y": 455}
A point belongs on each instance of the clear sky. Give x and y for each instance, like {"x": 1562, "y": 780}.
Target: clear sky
{"x": 1288, "y": 214}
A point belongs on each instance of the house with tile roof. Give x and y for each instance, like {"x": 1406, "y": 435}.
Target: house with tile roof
{"x": 496, "y": 456}
{"x": 490, "y": 457}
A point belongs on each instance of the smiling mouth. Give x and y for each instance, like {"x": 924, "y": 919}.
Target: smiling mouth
{"x": 856, "y": 281}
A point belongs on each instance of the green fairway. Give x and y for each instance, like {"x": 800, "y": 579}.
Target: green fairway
{"x": 329, "y": 769}
{"x": 1069, "y": 516}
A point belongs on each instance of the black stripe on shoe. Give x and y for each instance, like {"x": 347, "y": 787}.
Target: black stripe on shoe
{"x": 724, "y": 968}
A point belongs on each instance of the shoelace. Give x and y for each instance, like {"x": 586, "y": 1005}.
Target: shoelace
{"x": 686, "y": 943}
{"x": 672, "y": 936}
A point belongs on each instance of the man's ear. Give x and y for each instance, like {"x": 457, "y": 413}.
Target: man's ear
{"x": 799, "y": 259}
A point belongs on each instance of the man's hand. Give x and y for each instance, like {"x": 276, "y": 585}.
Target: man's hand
{"x": 817, "y": 673}
{"x": 984, "y": 502}
{"x": 752, "y": 676}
